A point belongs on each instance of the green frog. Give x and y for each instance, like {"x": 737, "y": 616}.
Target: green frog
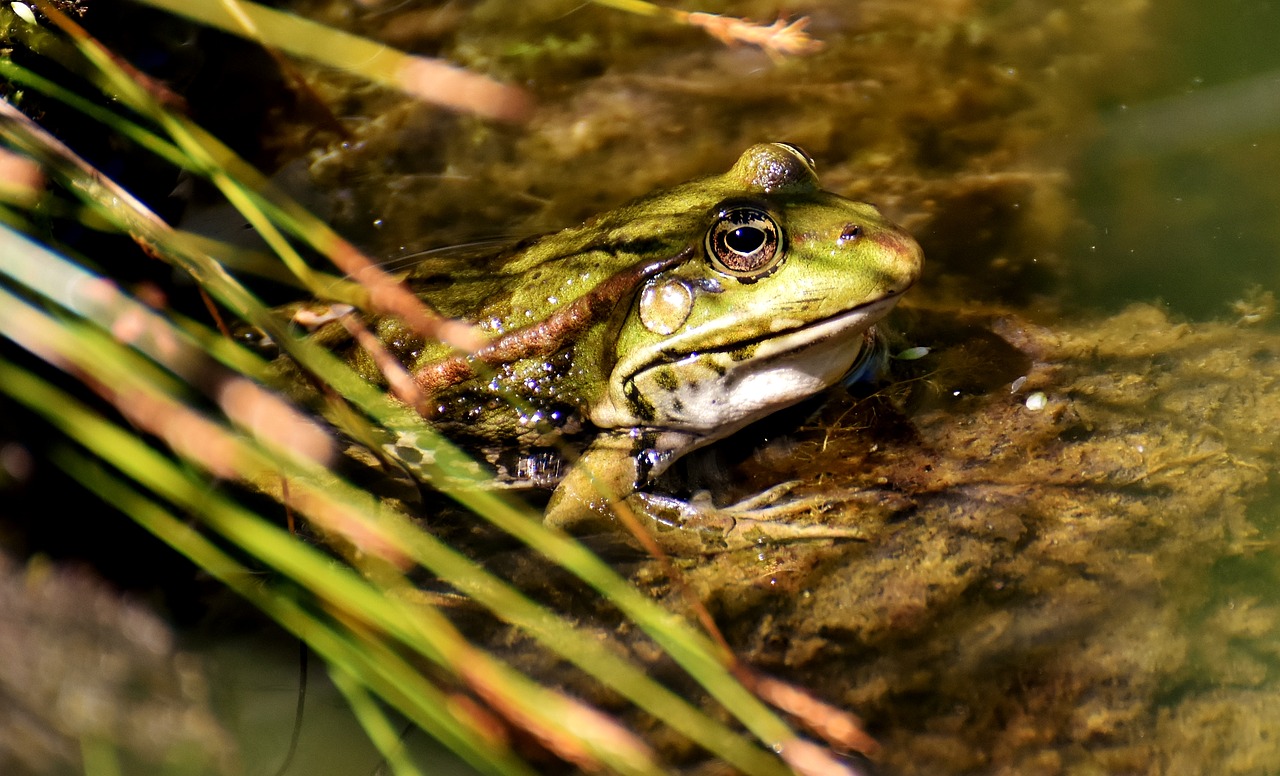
{"x": 651, "y": 330}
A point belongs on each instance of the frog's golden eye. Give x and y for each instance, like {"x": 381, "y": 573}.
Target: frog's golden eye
{"x": 744, "y": 242}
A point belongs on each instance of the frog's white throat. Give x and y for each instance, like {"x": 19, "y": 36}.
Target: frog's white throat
{"x": 714, "y": 393}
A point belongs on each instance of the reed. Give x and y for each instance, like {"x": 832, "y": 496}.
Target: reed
{"x": 167, "y": 406}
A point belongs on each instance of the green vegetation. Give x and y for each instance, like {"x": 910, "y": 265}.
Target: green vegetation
{"x": 192, "y": 394}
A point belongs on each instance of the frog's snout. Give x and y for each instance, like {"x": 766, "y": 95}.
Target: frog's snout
{"x": 900, "y": 257}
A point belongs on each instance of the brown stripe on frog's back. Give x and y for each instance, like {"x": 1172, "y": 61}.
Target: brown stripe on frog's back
{"x": 546, "y": 337}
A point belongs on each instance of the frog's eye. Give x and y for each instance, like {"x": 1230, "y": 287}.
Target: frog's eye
{"x": 744, "y": 242}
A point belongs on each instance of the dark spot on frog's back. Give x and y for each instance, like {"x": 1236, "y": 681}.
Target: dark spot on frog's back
{"x": 646, "y": 246}
{"x": 666, "y": 380}
{"x": 410, "y": 455}
{"x": 640, "y": 406}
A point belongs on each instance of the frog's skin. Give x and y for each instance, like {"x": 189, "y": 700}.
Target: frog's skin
{"x": 652, "y": 330}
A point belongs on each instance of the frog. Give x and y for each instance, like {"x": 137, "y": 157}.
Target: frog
{"x": 617, "y": 346}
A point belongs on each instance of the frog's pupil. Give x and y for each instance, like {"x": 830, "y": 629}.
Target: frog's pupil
{"x": 745, "y": 239}
{"x": 744, "y": 243}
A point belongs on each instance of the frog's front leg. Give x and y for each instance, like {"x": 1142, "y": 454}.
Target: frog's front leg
{"x": 605, "y": 480}
{"x": 606, "y": 476}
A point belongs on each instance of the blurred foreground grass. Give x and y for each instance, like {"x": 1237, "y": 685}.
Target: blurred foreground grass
{"x": 151, "y": 410}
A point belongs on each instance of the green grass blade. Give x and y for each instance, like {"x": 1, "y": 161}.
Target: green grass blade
{"x": 429, "y": 79}
{"x": 397, "y": 680}
{"x": 690, "y": 649}
{"x": 279, "y": 550}
{"x": 375, "y": 723}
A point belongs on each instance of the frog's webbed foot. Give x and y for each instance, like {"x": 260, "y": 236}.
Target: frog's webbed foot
{"x": 698, "y": 525}
{"x": 598, "y": 495}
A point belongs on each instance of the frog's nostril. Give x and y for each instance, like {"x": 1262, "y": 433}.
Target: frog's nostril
{"x": 851, "y": 232}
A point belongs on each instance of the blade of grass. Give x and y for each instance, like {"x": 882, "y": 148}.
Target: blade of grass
{"x": 375, "y": 723}
{"x": 388, "y": 675}
{"x": 431, "y": 80}
{"x": 336, "y": 585}
{"x": 143, "y": 137}
{"x": 691, "y": 650}
{"x": 408, "y": 623}
{"x": 375, "y": 290}
{"x": 232, "y": 256}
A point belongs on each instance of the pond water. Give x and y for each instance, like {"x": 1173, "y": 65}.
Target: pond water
{"x": 1103, "y": 604}
{"x": 1069, "y": 504}
{"x": 1178, "y": 194}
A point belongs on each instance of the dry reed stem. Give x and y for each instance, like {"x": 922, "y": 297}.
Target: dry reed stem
{"x": 780, "y": 39}
{"x": 585, "y": 723}
{"x": 808, "y": 759}
{"x": 431, "y": 80}
{"x": 390, "y": 296}
{"x": 21, "y": 179}
{"x": 190, "y": 435}
{"x": 274, "y": 421}
{"x": 401, "y": 383}
{"x": 342, "y": 523}
{"x": 453, "y": 87}
{"x": 835, "y": 726}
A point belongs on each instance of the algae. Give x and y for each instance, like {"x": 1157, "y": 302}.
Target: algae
{"x": 1039, "y": 590}
{"x": 1036, "y": 590}
{"x": 1081, "y": 583}
{"x": 1039, "y": 585}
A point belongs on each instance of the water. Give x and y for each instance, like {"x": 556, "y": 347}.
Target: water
{"x": 1079, "y": 586}
{"x": 1179, "y": 193}
{"x": 1080, "y": 583}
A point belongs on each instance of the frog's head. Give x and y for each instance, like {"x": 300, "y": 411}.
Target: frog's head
{"x": 782, "y": 282}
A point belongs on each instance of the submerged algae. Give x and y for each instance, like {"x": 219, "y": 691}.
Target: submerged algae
{"x": 1083, "y": 586}
{"x": 1040, "y": 587}
{"x": 1039, "y": 591}
{"x": 1086, "y": 587}
{"x": 958, "y": 120}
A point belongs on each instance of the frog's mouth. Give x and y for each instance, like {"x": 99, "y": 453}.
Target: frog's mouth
{"x": 783, "y": 342}
{"x": 717, "y": 387}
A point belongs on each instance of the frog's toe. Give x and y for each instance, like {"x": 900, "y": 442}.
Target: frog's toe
{"x": 771, "y": 516}
{"x": 750, "y": 531}
{"x": 766, "y": 498}
{"x": 765, "y": 517}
